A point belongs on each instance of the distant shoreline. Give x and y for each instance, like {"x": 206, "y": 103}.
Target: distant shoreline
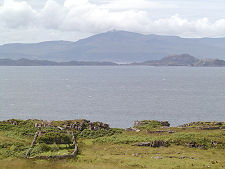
{"x": 173, "y": 60}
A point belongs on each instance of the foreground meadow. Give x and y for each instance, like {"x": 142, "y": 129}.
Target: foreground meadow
{"x": 148, "y": 145}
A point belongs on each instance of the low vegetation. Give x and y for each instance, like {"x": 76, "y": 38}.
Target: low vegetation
{"x": 194, "y": 145}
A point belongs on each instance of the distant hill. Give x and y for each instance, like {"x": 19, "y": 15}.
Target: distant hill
{"x": 116, "y": 46}
{"x": 183, "y": 60}
{"x": 173, "y": 60}
{"x": 28, "y": 62}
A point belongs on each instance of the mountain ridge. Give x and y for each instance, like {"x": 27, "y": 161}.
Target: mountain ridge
{"x": 116, "y": 46}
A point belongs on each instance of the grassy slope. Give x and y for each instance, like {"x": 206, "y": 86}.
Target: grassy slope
{"x": 116, "y": 151}
{"x": 109, "y": 156}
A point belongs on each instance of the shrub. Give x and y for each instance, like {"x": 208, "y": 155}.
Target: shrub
{"x": 44, "y": 147}
{"x": 149, "y": 124}
{"x": 40, "y": 148}
{"x": 58, "y": 138}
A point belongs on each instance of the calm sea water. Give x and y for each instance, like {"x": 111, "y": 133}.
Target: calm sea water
{"x": 115, "y": 95}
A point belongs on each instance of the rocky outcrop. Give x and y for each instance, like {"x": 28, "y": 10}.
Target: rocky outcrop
{"x": 13, "y": 122}
{"x": 78, "y": 125}
{"x": 195, "y": 145}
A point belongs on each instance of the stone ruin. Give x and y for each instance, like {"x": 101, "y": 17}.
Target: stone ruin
{"x": 13, "y": 122}
{"x": 67, "y": 126}
{"x": 72, "y": 155}
{"x": 78, "y": 125}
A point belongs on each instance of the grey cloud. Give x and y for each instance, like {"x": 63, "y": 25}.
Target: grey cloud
{"x": 80, "y": 18}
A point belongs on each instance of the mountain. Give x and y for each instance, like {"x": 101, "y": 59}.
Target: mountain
{"x": 116, "y": 46}
{"x": 183, "y": 60}
{"x": 28, "y": 62}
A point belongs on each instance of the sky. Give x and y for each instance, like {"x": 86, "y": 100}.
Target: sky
{"x": 26, "y": 21}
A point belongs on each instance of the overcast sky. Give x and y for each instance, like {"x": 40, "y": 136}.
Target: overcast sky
{"x": 42, "y": 20}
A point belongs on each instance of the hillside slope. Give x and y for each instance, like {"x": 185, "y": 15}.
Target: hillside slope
{"x": 117, "y": 46}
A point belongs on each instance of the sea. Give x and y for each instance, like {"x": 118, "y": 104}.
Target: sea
{"x": 117, "y": 95}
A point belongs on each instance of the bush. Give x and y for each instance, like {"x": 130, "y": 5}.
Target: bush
{"x": 44, "y": 147}
{"x": 98, "y": 133}
{"x": 21, "y": 128}
{"x": 40, "y": 148}
{"x": 148, "y": 125}
{"x": 15, "y": 149}
{"x": 58, "y": 138}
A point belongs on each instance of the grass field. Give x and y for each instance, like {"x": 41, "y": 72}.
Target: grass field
{"x": 116, "y": 150}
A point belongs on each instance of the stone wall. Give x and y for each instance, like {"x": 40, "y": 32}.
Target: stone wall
{"x": 73, "y": 155}
{"x": 78, "y": 125}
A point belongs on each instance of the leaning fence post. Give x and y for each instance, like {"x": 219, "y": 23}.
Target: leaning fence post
{"x": 75, "y": 145}
{"x": 32, "y": 144}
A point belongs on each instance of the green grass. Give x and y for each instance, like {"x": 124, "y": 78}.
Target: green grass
{"x": 112, "y": 149}
{"x": 98, "y": 133}
{"x": 124, "y": 156}
{"x": 51, "y": 150}
{"x": 149, "y": 125}
{"x": 204, "y": 138}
